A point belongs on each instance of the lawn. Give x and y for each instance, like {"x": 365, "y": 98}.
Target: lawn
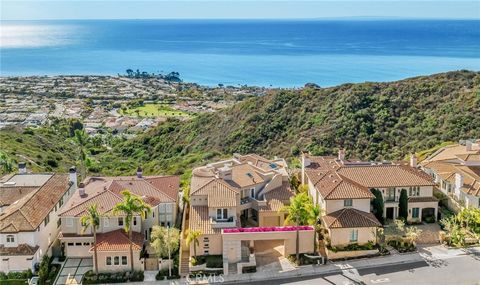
{"x": 14, "y": 282}
{"x": 154, "y": 110}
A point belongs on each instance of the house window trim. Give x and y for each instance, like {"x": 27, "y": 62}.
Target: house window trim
{"x": 349, "y": 204}
{"x": 353, "y": 235}
{"x": 122, "y": 220}
{"x": 223, "y": 214}
{"x": 11, "y": 237}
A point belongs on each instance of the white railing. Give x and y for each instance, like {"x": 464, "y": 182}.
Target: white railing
{"x": 231, "y": 223}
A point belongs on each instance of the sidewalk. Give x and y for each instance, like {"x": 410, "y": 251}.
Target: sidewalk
{"x": 330, "y": 267}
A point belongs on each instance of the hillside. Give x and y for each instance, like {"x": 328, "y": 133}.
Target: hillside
{"x": 371, "y": 120}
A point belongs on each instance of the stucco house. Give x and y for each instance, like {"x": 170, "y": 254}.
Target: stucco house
{"x": 246, "y": 191}
{"x": 456, "y": 170}
{"x": 160, "y": 192}
{"x": 29, "y": 223}
{"x": 342, "y": 188}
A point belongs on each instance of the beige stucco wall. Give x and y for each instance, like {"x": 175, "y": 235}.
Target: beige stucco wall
{"x": 16, "y": 263}
{"x": 341, "y": 236}
{"x": 102, "y": 259}
{"x": 76, "y": 228}
{"x": 214, "y": 242}
{"x": 421, "y": 206}
{"x": 359, "y": 204}
{"x": 265, "y": 219}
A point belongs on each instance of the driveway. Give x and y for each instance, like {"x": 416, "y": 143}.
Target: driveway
{"x": 429, "y": 233}
{"x": 269, "y": 256}
{"x": 74, "y": 269}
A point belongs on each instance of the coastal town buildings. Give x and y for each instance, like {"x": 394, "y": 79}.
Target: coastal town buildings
{"x": 343, "y": 189}
{"x": 113, "y": 244}
{"x": 456, "y": 170}
{"x": 235, "y": 205}
{"x": 29, "y": 222}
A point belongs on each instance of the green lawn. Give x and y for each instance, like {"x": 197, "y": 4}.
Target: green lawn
{"x": 14, "y": 282}
{"x": 154, "y": 110}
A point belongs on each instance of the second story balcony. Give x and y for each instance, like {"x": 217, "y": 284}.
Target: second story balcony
{"x": 249, "y": 202}
{"x": 231, "y": 222}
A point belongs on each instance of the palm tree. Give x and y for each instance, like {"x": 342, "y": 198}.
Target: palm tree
{"x": 193, "y": 237}
{"x": 131, "y": 205}
{"x": 298, "y": 213}
{"x": 92, "y": 219}
{"x": 315, "y": 214}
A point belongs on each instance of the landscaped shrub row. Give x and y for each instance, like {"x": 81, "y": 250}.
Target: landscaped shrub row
{"x": 213, "y": 261}
{"x": 164, "y": 273}
{"x": 353, "y": 247}
{"x": 114, "y": 277}
{"x": 401, "y": 246}
{"x": 304, "y": 260}
{"x": 16, "y": 275}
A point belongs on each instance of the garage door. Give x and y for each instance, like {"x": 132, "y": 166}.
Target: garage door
{"x": 273, "y": 221}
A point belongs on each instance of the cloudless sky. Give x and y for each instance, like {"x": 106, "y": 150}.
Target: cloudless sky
{"x": 236, "y": 9}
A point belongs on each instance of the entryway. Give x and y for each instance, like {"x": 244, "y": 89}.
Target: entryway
{"x": 390, "y": 213}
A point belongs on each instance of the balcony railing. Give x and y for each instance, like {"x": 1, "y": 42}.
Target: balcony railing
{"x": 228, "y": 223}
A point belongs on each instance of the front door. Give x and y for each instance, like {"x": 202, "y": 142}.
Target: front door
{"x": 390, "y": 213}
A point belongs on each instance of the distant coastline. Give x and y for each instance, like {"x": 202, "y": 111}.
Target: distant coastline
{"x": 277, "y": 53}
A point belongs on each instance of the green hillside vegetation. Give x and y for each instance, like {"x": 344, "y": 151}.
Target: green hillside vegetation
{"x": 370, "y": 120}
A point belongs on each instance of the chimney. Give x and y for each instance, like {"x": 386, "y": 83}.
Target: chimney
{"x": 22, "y": 168}
{"x": 413, "y": 160}
{"x": 458, "y": 184}
{"x": 341, "y": 154}
{"x": 81, "y": 189}
{"x": 73, "y": 175}
{"x": 139, "y": 172}
{"x": 305, "y": 163}
{"x": 225, "y": 172}
{"x": 468, "y": 145}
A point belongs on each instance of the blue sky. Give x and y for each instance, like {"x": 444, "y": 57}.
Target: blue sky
{"x": 236, "y": 9}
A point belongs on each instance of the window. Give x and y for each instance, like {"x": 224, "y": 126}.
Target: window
{"x": 106, "y": 222}
{"x": 153, "y": 214}
{"x": 134, "y": 221}
{"x": 86, "y": 244}
{"x": 69, "y": 222}
{"x": 415, "y": 212}
{"x": 120, "y": 221}
{"x": 347, "y": 202}
{"x": 124, "y": 260}
{"x": 252, "y": 192}
{"x": 162, "y": 224}
{"x": 222, "y": 214}
{"x": 109, "y": 260}
{"x": 116, "y": 260}
{"x": 414, "y": 191}
{"x": 70, "y": 244}
{"x": 47, "y": 220}
{"x": 354, "y": 235}
{"x": 60, "y": 202}
{"x": 59, "y": 223}
{"x": 10, "y": 238}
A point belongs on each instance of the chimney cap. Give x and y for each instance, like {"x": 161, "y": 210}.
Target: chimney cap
{"x": 22, "y": 164}
{"x": 81, "y": 185}
{"x": 139, "y": 169}
{"x": 72, "y": 169}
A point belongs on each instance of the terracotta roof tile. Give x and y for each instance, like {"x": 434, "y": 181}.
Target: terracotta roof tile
{"x": 219, "y": 194}
{"x": 199, "y": 220}
{"x": 30, "y": 211}
{"x": 8, "y": 195}
{"x": 21, "y": 249}
{"x": 118, "y": 241}
{"x": 277, "y": 198}
{"x": 422, "y": 199}
{"x": 350, "y": 218}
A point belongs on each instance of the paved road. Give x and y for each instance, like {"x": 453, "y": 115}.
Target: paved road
{"x": 458, "y": 270}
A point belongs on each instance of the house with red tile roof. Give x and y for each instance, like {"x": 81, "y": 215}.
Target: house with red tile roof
{"x": 29, "y": 222}
{"x": 159, "y": 192}
{"x": 244, "y": 191}
{"x": 456, "y": 171}
{"x": 343, "y": 189}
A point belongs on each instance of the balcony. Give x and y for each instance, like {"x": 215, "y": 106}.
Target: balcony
{"x": 249, "y": 202}
{"x": 228, "y": 223}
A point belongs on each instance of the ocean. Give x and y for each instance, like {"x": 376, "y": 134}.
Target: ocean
{"x": 279, "y": 53}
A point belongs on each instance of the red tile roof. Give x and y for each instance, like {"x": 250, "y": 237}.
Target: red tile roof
{"x": 30, "y": 211}
{"x": 118, "y": 241}
{"x": 350, "y": 218}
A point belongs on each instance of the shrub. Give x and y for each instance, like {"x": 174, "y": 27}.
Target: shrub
{"x": 114, "y": 277}
{"x": 429, "y": 219}
{"x": 214, "y": 261}
{"x": 3, "y": 276}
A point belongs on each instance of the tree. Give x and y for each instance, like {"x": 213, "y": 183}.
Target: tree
{"x": 92, "y": 220}
{"x": 403, "y": 205}
{"x": 297, "y": 213}
{"x": 377, "y": 204}
{"x": 294, "y": 182}
{"x": 193, "y": 237}
{"x": 165, "y": 241}
{"x": 81, "y": 139}
{"x": 44, "y": 269}
{"x": 313, "y": 219}
{"x": 131, "y": 205}
{"x": 6, "y": 163}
